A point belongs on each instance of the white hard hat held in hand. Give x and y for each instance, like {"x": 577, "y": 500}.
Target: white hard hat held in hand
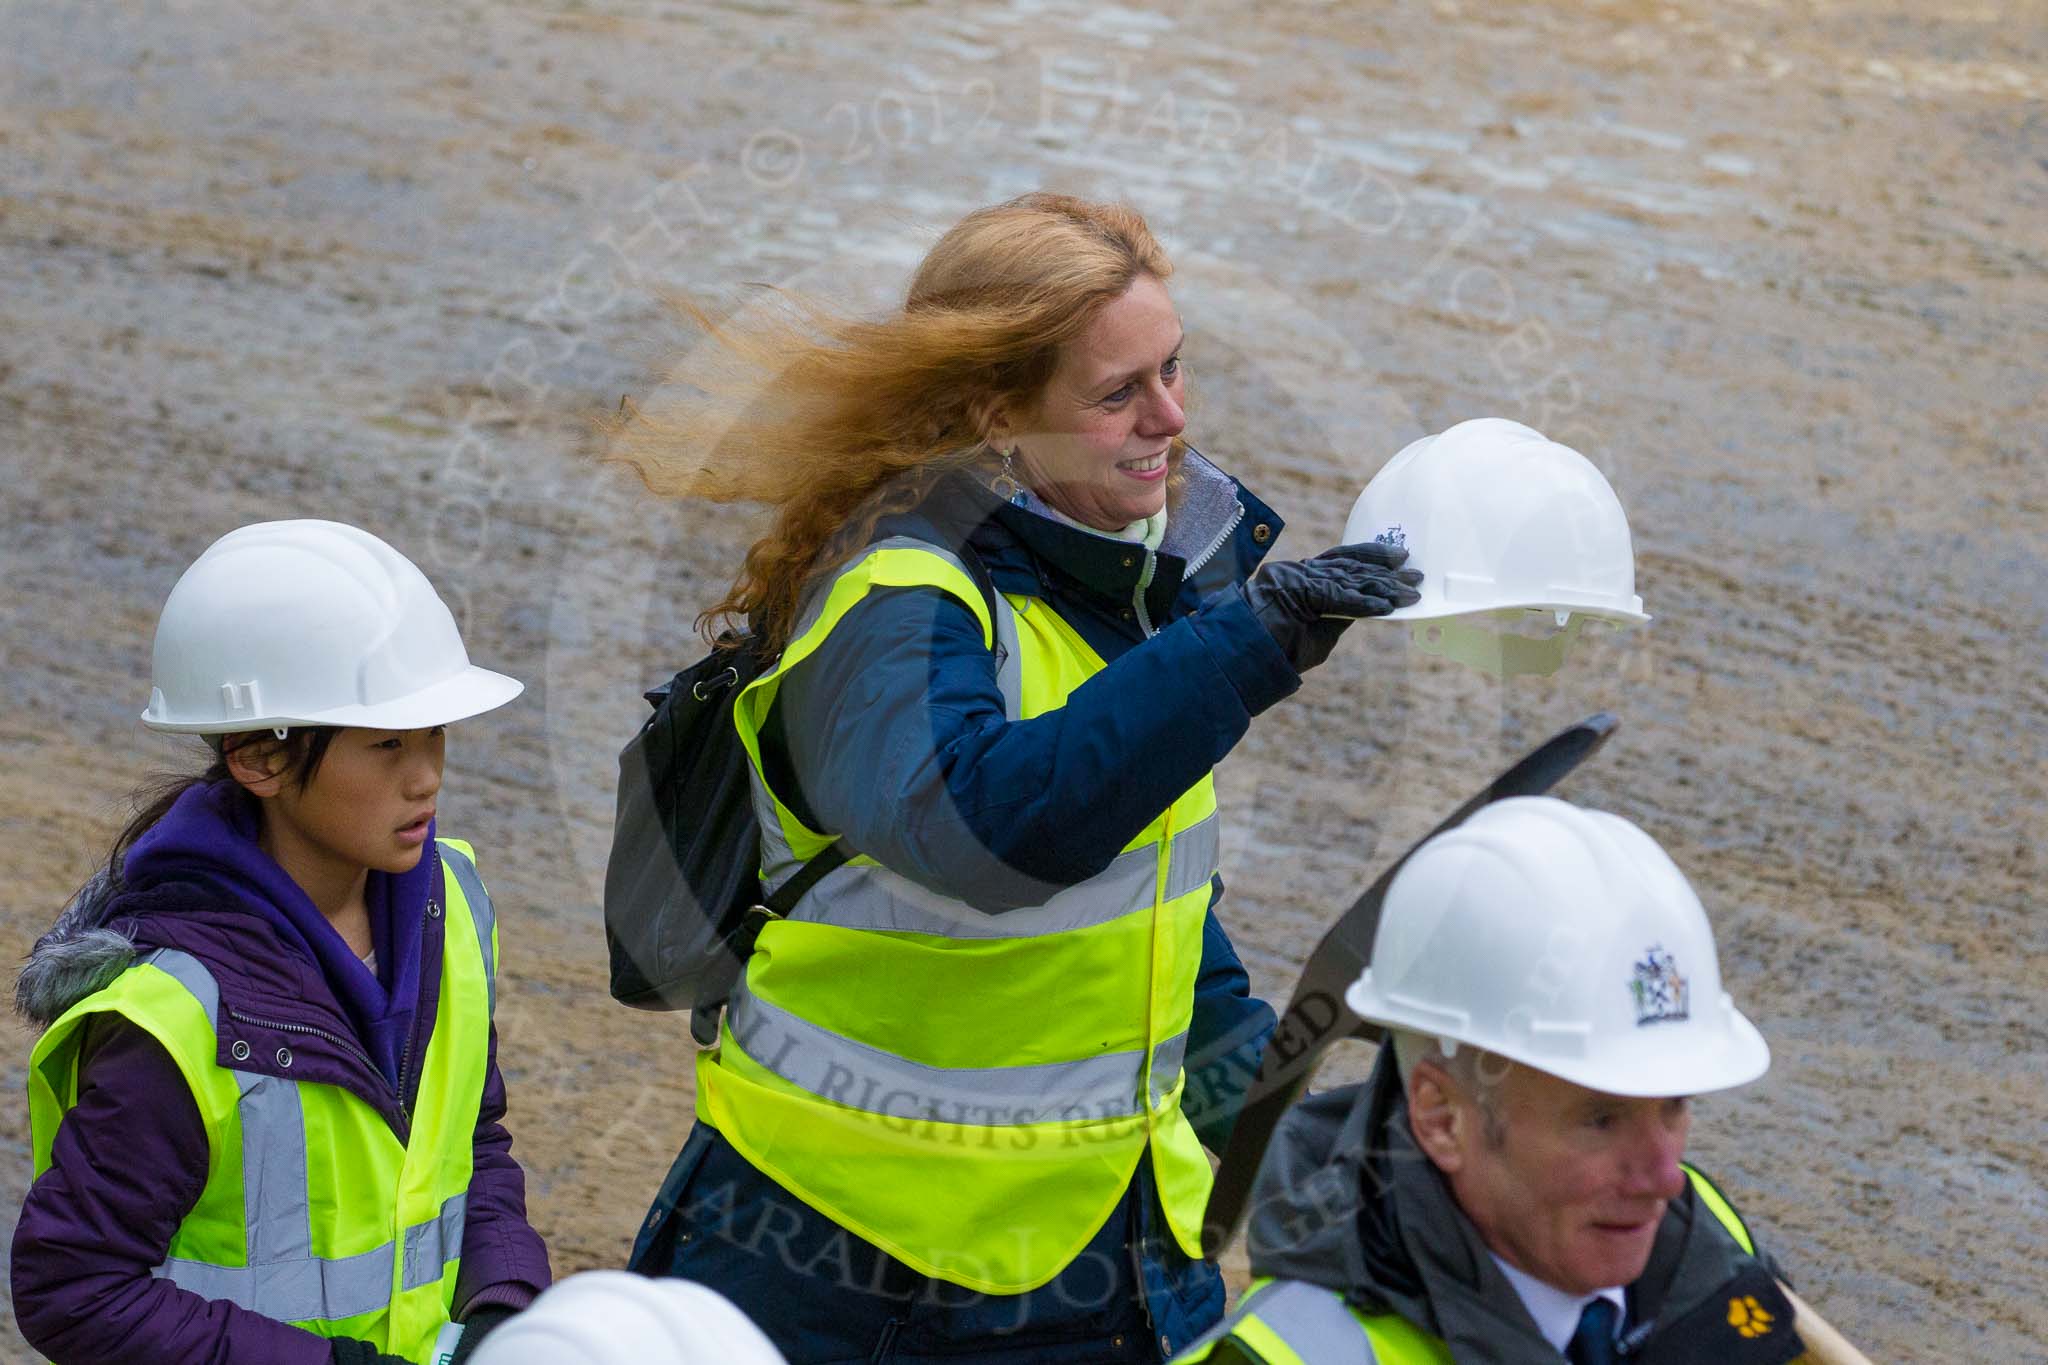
{"x": 1564, "y": 939}
{"x": 288, "y": 623}
{"x": 1510, "y": 529}
{"x": 614, "y": 1317}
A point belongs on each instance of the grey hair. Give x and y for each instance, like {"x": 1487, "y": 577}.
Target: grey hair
{"x": 1475, "y": 1071}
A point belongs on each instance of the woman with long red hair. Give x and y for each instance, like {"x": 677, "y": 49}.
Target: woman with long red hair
{"x": 958, "y": 1103}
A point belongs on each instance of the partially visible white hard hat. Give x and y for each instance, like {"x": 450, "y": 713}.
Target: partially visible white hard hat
{"x": 614, "y": 1317}
{"x": 289, "y": 623}
{"x": 1499, "y": 517}
{"x": 1563, "y": 939}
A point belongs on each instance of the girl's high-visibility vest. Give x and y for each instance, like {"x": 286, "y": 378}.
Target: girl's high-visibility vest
{"x": 1292, "y": 1322}
{"x": 970, "y": 1092}
{"x": 313, "y": 1212}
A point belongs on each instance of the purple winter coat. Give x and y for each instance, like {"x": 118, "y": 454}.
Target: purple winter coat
{"x": 129, "y": 1160}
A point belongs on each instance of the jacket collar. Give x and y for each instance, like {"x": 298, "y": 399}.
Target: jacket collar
{"x": 1216, "y": 533}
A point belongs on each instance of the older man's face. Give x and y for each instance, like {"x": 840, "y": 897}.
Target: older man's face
{"x": 1571, "y": 1183}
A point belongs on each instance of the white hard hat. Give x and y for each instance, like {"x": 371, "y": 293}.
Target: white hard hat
{"x": 1564, "y": 939}
{"x": 289, "y": 623}
{"x": 1499, "y": 517}
{"x": 614, "y": 1317}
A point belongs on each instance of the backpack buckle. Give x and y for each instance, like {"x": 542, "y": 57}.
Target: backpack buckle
{"x": 704, "y": 1024}
{"x": 753, "y": 920}
{"x": 706, "y": 688}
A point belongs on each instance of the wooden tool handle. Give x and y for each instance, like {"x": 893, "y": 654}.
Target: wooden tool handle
{"x": 1824, "y": 1345}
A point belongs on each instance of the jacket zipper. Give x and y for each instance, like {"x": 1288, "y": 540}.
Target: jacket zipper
{"x": 412, "y": 1034}
{"x": 1152, "y": 565}
{"x": 279, "y": 1024}
{"x": 1229, "y": 527}
{"x": 1138, "y": 593}
{"x": 404, "y": 1065}
{"x": 1144, "y": 1298}
{"x": 1135, "y": 1242}
{"x": 405, "y": 1119}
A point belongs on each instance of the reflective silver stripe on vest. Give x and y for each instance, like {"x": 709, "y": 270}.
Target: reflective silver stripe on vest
{"x": 778, "y": 861}
{"x": 189, "y": 972}
{"x": 284, "y": 1279}
{"x": 878, "y": 1082}
{"x": 303, "y": 1290}
{"x": 429, "y": 1246}
{"x": 480, "y": 912}
{"x": 280, "y": 1226}
{"x": 869, "y": 897}
{"x": 277, "y": 1225}
{"x": 1313, "y": 1322}
{"x": 1166, "y": 1060}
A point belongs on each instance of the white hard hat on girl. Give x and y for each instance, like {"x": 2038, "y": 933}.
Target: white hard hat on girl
{"x": 352, "y": 634}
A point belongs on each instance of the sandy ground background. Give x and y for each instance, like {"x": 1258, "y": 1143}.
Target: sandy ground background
{"x": 1778, "y": 267}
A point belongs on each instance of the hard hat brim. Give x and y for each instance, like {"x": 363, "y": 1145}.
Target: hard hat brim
{"x": 1656, "y": 1062}
{"x": 1439, "y": 611}
{"x": 470, "y": 692}
{"x": 1648, "y": 1067}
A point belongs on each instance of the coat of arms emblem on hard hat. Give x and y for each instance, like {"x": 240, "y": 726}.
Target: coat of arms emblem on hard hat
{"x": 1659, "y": 988}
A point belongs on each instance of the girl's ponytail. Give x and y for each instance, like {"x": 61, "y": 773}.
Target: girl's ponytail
{"x": 302, "y": 750}
{"x": 152, "y": 801}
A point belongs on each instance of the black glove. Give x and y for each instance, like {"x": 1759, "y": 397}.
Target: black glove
{"x": 479, "y": 1324}
{"x": 349, "y": 1351}
{"x": 1306, "y": 603}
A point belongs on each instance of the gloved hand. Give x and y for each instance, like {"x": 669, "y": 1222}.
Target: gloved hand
{"x": 479, "y": 1323}
{"x": 1305, "y": 604}
{"x": 349, "y": 1351}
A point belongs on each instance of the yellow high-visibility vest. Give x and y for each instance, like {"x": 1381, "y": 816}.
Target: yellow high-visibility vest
{"x": 970, "y": 1092}
{"x": 313, "y": 1212}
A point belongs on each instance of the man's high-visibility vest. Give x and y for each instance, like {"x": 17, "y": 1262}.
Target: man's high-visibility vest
{"x": 1292, "y": 1322}
{"x": 970, "y": 1092}
{"x": 313, "y": 1212}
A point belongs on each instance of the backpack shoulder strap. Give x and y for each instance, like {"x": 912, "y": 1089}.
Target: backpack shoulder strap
{"x": 978, "y": 571}
{"x": 834, "y": 855}
{"x": 1009, "y": 666}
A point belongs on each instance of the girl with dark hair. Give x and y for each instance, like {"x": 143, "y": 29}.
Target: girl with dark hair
{"x": 265, "y": 1106}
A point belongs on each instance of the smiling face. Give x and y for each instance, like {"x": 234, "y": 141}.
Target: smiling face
{"x": 1570, "y": 1184}
{"x": 1094, "y": 443}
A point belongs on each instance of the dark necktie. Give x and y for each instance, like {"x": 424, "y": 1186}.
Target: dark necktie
{"x": 1593, "y": 1343}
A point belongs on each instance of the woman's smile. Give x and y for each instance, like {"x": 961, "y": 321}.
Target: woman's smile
{"x": 1118, "y": 389}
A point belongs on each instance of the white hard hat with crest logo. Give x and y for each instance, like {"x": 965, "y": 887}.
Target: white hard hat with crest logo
{"x": 1564, "y": 939}
{"x": 1510, "y": 530}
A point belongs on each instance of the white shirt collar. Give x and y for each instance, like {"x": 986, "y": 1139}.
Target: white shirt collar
{"x": 1556, "y": 1312}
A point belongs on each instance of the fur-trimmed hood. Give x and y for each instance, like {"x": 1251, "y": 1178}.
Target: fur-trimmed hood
{"x": 109, "y": 926}
{"x": 83, "y": 952}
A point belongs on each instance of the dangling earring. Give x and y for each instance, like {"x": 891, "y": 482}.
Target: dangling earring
{"x": 1005, "y": 482}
